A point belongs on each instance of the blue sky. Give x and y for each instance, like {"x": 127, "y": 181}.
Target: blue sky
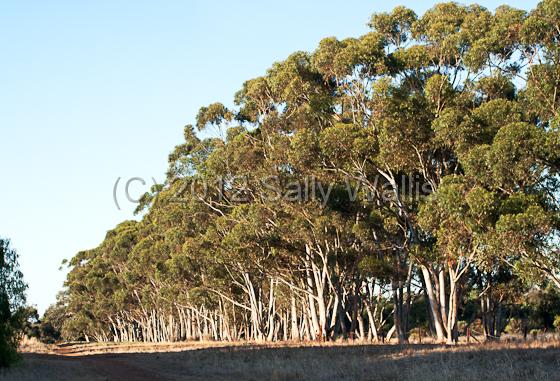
{"x": 93, "y": 91}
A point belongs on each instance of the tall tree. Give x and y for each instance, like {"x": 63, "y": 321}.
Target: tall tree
{"x": 12, "y": 301}
{"x": 417, "y": 164}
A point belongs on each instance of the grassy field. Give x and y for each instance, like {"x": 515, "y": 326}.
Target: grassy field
{"x": 208, "y": 361}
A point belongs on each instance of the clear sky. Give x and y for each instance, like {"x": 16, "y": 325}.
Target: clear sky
{"x": 95, "y": 90}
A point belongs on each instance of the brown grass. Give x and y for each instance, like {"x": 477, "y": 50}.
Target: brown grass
{"x": 533, "y": 360}
{"x": 32, "y": 345}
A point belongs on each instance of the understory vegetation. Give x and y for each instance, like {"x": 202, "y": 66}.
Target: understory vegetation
{"x": 399, "y": 184}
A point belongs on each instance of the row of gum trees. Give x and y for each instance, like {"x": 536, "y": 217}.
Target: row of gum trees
{"x": 419, "y": 161}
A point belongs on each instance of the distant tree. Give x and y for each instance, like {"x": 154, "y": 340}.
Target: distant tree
{"x": 50, "y": 325}
{"x": 30, "y": 320}
{"x": 12, "y": 301}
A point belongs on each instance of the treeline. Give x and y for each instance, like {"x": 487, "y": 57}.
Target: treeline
{"x": 401, "y": 180}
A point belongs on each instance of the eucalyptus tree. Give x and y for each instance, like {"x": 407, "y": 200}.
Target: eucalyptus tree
{"x": 344, "y": 185}
{"x": 12, "y": 302}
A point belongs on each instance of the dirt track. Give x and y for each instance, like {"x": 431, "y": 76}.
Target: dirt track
{"x": 55, "y": 367}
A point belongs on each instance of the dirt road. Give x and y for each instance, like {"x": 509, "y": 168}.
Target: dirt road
{"x": 56, "y": 367}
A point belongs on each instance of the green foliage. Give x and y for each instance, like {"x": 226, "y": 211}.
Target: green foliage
{"x": 214, "y": 114}
{"x": 12, "y": 303}
{"x": 51, "y": 324}
{"x": 395, "y": 26}
{"x": 444, "y": 127}
{"x": 557, "y": 322}
{"x": 541, "y": 307}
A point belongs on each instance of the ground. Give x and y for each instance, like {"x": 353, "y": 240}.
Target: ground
{"x": 207, "y": 361}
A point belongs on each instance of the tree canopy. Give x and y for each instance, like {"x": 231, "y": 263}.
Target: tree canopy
{"x": 12, "y": 303}
{"x": 415, "y": 167}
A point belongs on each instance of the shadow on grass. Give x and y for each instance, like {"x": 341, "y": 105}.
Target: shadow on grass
{"x": 348, "y": 362}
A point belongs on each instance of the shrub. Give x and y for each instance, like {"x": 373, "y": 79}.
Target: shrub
{"x": 557, "y": 322}
{"x": 514, "y": 325}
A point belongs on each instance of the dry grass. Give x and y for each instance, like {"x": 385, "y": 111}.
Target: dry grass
{"x": 533, "y": 360}
{"x": 32, "y": 345}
